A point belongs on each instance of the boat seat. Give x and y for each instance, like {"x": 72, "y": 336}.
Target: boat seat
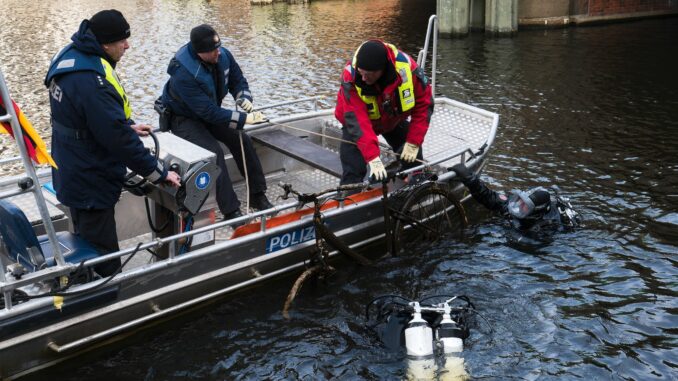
{"x": 301, "y": 149}
{"x": 35, "y": 252}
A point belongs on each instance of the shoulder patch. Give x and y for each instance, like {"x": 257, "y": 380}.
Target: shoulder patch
{"x": 67, "y": 63}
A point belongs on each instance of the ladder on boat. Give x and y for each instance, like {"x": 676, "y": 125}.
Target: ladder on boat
{"x": 30, "y": 185}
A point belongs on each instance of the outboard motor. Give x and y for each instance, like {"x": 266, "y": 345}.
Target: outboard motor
{"x": 175, "y": 210}
{"x": 432, "y": 334}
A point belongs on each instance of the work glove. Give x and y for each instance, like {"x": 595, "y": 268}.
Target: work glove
{"x": 462, "y": 172}
{"x": 255, "y": 118}
{"x": 377, "y": 169}
{"x": 245, "y": 104}
{"x": 409, "y": 153}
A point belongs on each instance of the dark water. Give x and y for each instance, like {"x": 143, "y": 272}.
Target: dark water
{"x": 592, "y": 110}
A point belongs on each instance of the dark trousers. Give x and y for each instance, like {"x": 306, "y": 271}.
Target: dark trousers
{"x": 354, "y": 167}
{"x": 97, "y": 227}
{"x": 208, "y": 137}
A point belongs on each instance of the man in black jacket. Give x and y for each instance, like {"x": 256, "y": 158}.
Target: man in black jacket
{"x": 202, "y": 73}
{"x": 93, "y": 135}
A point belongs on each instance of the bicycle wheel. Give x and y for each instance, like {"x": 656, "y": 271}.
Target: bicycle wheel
{"x": 428, "y": 214}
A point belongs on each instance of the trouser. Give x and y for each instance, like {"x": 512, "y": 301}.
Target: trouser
{"x": 208, "y": 137}
{"x": 354, "y": 167}
{"x": 97, "y": 227}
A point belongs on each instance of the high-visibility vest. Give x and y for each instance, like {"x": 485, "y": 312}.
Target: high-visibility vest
{"x": 113, "y": 79}
{"x": 405, "y": 89}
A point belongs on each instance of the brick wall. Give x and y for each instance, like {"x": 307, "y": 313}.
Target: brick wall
{"x": 611, "y": 7}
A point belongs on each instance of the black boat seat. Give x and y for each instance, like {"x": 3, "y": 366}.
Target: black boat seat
{"x": 301, "y": 149}
{"x": 35, "y": 252}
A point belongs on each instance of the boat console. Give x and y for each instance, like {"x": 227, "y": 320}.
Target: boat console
{"x": 196, "y": 166}
{"x": 175, "y": 210}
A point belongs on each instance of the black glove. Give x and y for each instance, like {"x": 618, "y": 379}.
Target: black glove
{"x": 462, "y": 172}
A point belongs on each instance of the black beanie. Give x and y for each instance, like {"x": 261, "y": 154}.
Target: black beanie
{"x": 371, "y": 56}
{"x": 204, "y": 39}
{"x": 109, "y": 26}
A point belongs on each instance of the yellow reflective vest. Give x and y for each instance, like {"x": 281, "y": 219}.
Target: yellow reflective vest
{"x": 112, "y": 78}
{"x": 405, "y": 90}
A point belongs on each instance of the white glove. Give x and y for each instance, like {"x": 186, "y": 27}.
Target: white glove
{"x": 410, "y": 152}
{"x": 377, "y": 169}
{"x": 255, "y": 118}
{"x": 245, "y": 104}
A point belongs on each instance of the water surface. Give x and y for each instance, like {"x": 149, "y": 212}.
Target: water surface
{"x": 592, "y": 110}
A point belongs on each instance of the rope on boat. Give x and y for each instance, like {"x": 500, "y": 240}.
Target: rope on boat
{"x": 247, "y": 180}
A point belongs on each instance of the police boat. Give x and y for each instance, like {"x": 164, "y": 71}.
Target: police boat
{"x": 179, "y": 254}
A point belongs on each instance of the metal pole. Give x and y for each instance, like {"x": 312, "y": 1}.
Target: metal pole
{"x": 435, "y": 53}
{"x": 28, "y": 165}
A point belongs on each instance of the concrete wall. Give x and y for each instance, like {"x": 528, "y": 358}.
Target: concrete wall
{"x": 609, "y": 7}
{"x": 559, "y": 13}
{"x": 540, "y": 8}
{"x": 477, "y": 15}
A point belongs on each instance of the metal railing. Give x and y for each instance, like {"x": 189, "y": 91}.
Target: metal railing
{"x": 13, "y": 120}
{"x": 30, "y": 171}
{"x": 421, "y": 58}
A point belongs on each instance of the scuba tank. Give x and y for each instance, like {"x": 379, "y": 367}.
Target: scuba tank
{"x": 449, "y": 334}
{"x": 432, "y": 334}
{"x": 418, "y": 335}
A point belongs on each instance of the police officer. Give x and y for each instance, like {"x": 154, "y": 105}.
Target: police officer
{"x": 93, "y": 135}
{"x": 380, "y": 90}
{"x": 201, "y": 73}
{"x": 527, "y": 210}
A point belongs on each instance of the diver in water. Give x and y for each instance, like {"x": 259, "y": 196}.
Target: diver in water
{"x": 528, "y": 211}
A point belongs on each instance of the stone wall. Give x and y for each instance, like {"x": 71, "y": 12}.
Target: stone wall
{"x": 609, "y": 7}
{"x": 559, "y": 13}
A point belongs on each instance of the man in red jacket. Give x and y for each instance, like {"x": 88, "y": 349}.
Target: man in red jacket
{"x": 383, "y": 91}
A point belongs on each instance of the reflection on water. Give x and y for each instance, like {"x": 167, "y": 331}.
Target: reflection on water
{"x": 592, "y": 110}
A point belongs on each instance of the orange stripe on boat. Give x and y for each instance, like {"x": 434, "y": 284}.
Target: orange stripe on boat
{"x": 296, "y": 215}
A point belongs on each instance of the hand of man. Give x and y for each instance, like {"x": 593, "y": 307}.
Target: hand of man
{"x": 377, "y": 169}
{"x": 245, "y": 104}
{"x": 410, "y": 152}
{"x": 462, "y": 171}
{"x": 255, "y": 118}
{"x": 173, "y": 179}
{"x": 142, "y": 129}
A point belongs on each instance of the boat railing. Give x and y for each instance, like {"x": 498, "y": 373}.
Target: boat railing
{"x": 314, "y": 99}
{"x": 432, "y": 30}
{"x": 32, "y": 184}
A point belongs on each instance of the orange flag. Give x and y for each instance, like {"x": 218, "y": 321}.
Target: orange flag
{"x": 35, "y": 146}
